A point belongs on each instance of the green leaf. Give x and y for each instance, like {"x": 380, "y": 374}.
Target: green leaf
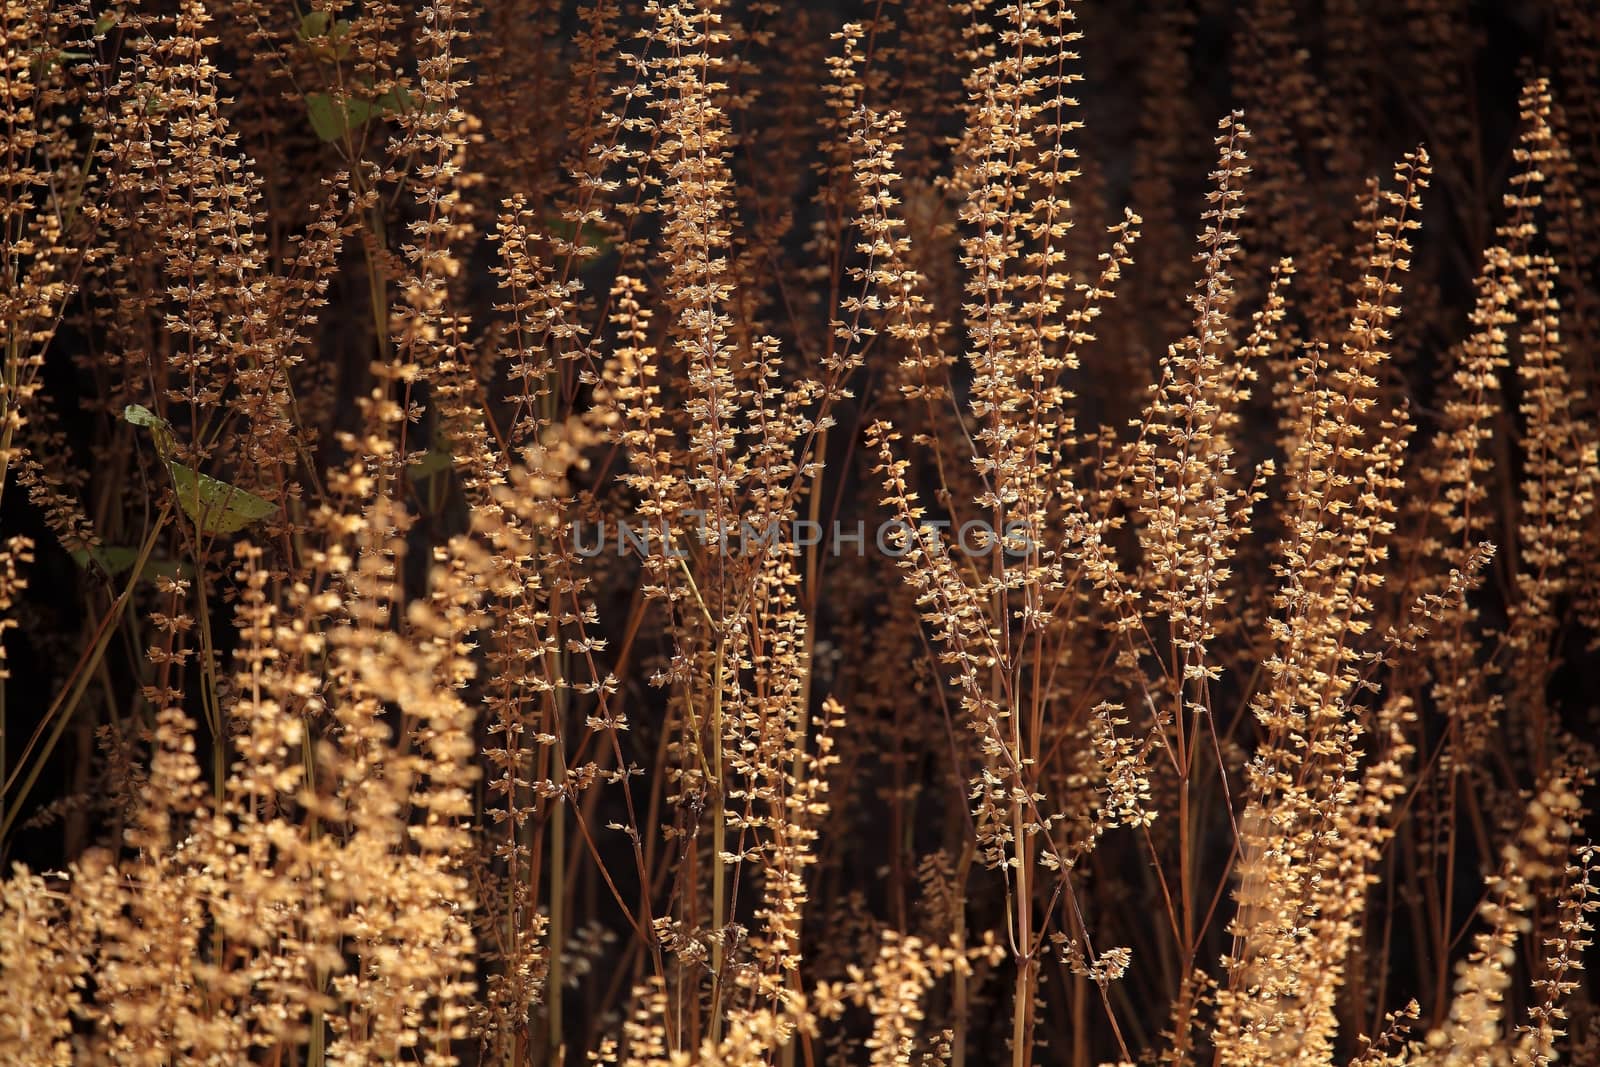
{"x": 116, "y": 559}
{"x": 434, "y": 461}
{"x": 587, "y": 234}
{"x": 357, "y": 111}
{"x": 313, "y": 24}
{"x": 214, "y": 505}
{"x": 326, "y": 118}
{"x": 160, "y": 429}
{"x": 139, "y": 415}
{"x": 397, "y": 101}
{"x": 44, "y": 61}
{"x": 324, "y": 37}
{"x": 112, "y": 559}
{"x": 331, "y": 121}
{"x": 105, "y": 23}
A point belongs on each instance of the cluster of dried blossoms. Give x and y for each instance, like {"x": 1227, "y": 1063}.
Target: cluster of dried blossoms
{"x": 1249, "y": 732}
